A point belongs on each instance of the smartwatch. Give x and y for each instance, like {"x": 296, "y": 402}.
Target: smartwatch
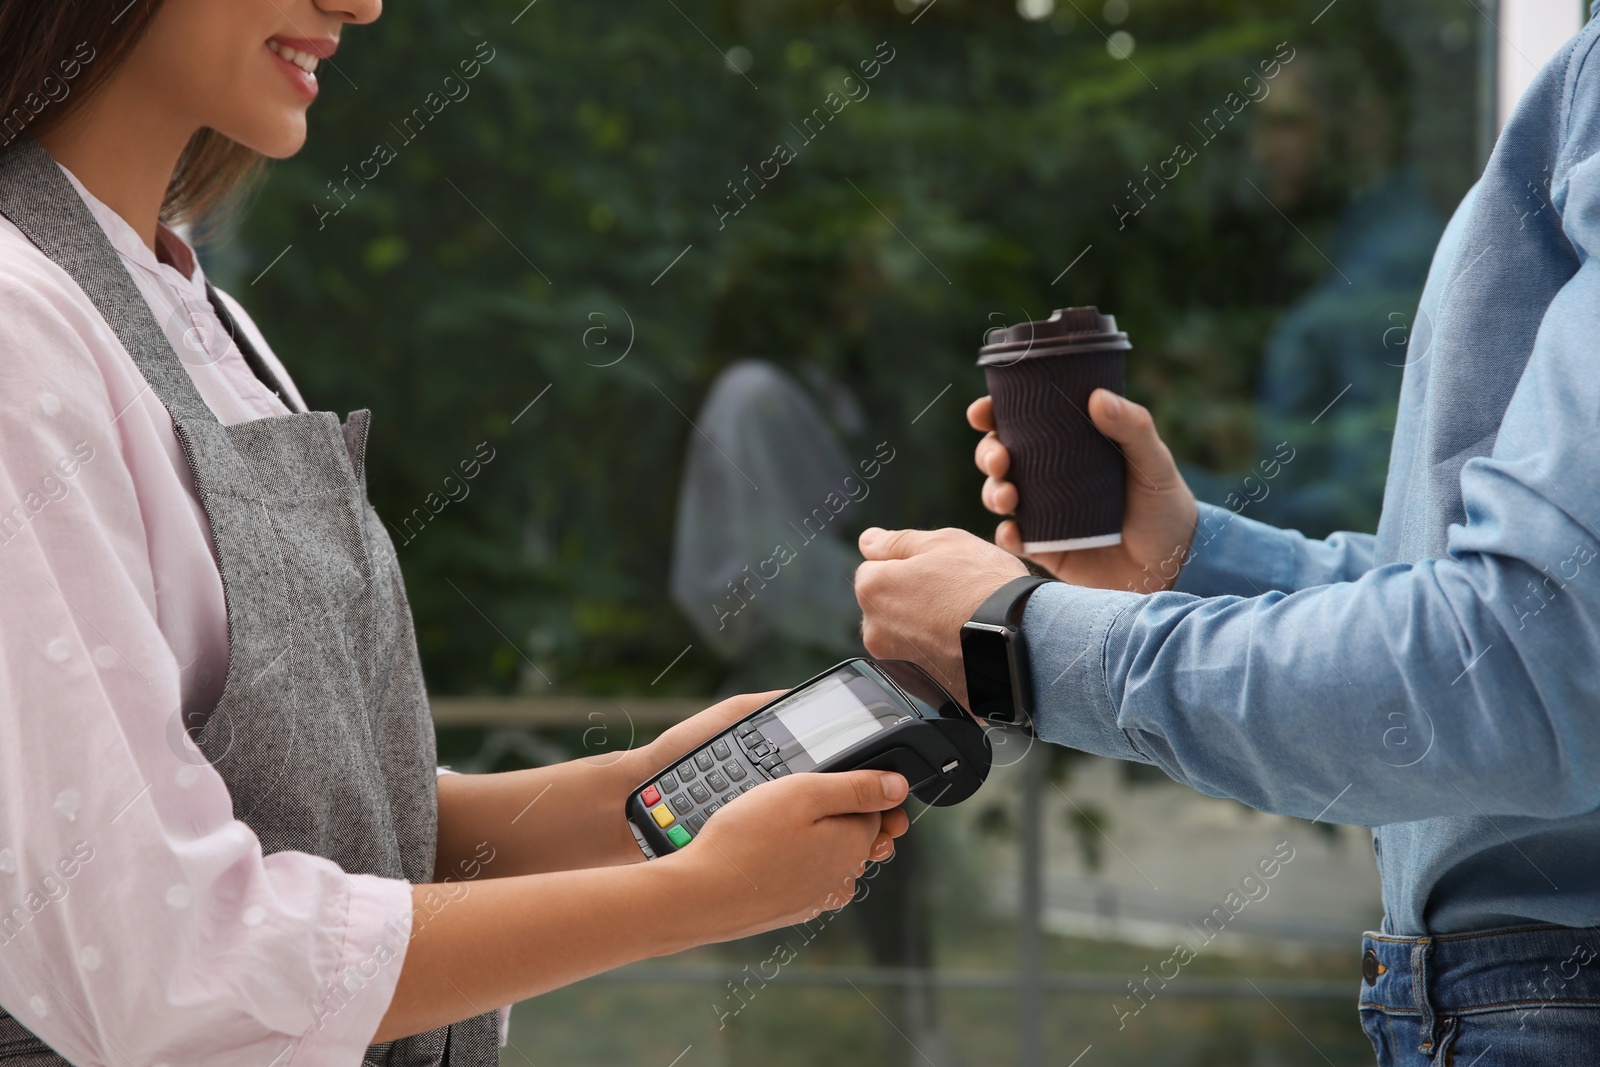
{"x": 994, "y": 658}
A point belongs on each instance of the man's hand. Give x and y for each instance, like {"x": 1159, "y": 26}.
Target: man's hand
{"x": 916, "y": 589}
{"x": 1159, "y": 512}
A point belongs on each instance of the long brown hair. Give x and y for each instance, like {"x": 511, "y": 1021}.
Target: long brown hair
{"x": 55, "y": 53}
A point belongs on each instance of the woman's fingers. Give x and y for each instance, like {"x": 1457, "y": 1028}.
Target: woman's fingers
{"x": 896, "y": 822}
{"x": 713, "y": 720}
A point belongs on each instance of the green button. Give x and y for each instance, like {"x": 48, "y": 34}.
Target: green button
{"x": 678, "y": 835}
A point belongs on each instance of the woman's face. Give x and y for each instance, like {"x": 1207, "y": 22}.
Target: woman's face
{"x": 246, "y": 68}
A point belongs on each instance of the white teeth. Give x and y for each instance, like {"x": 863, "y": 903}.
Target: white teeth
{"x": 304, "y": 60}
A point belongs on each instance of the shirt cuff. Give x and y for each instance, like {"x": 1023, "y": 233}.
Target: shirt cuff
{"x": 1065, "y": 629}
{"x": 1235, "y": 556}
{"x": 357, "y": 996}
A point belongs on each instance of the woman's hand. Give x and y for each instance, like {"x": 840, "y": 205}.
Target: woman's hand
{"x": 1159, "y": 513}
{"x": 773, "y": 857}
{"x": 667, "y": 749}
{"x": 566, "y": 816}
{"x": 792, "y": 848}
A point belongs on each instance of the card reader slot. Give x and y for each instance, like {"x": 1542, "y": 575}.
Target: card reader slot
{"x": 905, "y": 762}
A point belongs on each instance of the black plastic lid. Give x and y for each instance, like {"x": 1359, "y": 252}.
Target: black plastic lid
{"x": 1066, "y": 330}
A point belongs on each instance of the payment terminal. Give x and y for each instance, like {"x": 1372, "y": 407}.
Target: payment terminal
{"x": 881, "y": 715}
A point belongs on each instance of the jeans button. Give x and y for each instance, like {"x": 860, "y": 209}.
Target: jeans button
{"x": 1369, "y": 967}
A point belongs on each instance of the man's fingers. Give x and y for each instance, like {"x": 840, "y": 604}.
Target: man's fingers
{"x": 1008, "y": 537}
{"x": 1131, "y": 426}
{"x": 980, "y": 414}
{"x": 991, "y": 457}
{"x": 999, "y": 497}
{"x": 876, "y": 543}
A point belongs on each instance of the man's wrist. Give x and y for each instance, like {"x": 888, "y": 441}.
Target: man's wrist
{"x": 993, "y": 659}
{"x": 1065, "y": 629}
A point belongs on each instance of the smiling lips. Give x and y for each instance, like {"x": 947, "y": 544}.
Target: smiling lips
{"x": 298, "y": 59}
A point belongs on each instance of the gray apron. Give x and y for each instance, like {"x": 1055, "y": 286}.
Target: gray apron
{"x": 322, "y": 733}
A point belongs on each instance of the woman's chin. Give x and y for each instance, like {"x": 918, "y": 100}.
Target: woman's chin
{"x": 279, "y": 141}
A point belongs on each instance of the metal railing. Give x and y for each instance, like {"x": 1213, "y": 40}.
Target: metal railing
{"x": 512, "y": 722}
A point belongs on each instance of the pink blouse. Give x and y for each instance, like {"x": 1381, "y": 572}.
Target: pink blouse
{"x": 139, "y": 920}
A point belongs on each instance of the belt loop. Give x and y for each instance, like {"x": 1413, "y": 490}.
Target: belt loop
{"x": 1427, "y": 1026}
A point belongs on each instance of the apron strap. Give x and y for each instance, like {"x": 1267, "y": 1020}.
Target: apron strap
{"x": 248, "y": 350}
{"x": 41, "y": 202}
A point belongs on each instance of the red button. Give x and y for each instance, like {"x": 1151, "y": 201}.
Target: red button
{"x": 651, "y": 796}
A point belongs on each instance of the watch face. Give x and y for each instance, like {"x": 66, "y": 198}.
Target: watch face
{"x": 986, "y": 654}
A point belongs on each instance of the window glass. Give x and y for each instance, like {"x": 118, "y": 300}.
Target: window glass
{"x": 658, "y": 305}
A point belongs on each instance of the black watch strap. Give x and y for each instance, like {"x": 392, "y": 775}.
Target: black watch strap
{"x": 994, "y": 658}
{"x": 1006, "y": 604}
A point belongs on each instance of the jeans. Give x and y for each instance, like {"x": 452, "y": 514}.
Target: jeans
{"x": 1498, "y": 998}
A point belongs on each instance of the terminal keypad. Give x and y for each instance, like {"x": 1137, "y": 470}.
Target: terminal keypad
{"x": 681, "y": 800}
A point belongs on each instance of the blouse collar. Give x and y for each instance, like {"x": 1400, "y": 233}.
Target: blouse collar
{"x": 127, "y": 243}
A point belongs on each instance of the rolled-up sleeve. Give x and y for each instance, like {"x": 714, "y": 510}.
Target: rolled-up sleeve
{"x": 139, "y": 920}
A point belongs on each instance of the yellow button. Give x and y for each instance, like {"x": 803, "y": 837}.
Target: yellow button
{"x": 663, "y": 815}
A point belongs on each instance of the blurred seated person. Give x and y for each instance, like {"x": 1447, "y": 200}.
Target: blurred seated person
{"x": 761, "y": 567}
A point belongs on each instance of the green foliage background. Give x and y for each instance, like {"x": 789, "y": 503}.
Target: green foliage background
{"x": 595, "y": 145}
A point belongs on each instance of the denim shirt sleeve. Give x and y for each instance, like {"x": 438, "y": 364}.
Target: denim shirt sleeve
{"x": 1066, "y": 627}
{"x": 1232, "y": 555}
{"x": 1407, "y": 691}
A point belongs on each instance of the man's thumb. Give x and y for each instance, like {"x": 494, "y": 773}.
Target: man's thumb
{"x": 1131, "y": 426}
{"x": 878, "y": 544}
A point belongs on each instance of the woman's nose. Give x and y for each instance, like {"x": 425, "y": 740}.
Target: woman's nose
{"x": 359, "y": 12}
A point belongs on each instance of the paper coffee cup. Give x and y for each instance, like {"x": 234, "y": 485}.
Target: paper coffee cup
{"x": 1069, "y": 476}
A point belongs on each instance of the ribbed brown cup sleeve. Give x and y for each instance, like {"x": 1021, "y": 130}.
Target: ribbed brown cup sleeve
{"x": 1069, "y": 476}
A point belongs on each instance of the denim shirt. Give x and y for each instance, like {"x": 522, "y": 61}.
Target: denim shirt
{"x": 1439, "y": 682}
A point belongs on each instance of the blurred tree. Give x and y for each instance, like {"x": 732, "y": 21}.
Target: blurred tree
{"x": 567, "y": 205}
